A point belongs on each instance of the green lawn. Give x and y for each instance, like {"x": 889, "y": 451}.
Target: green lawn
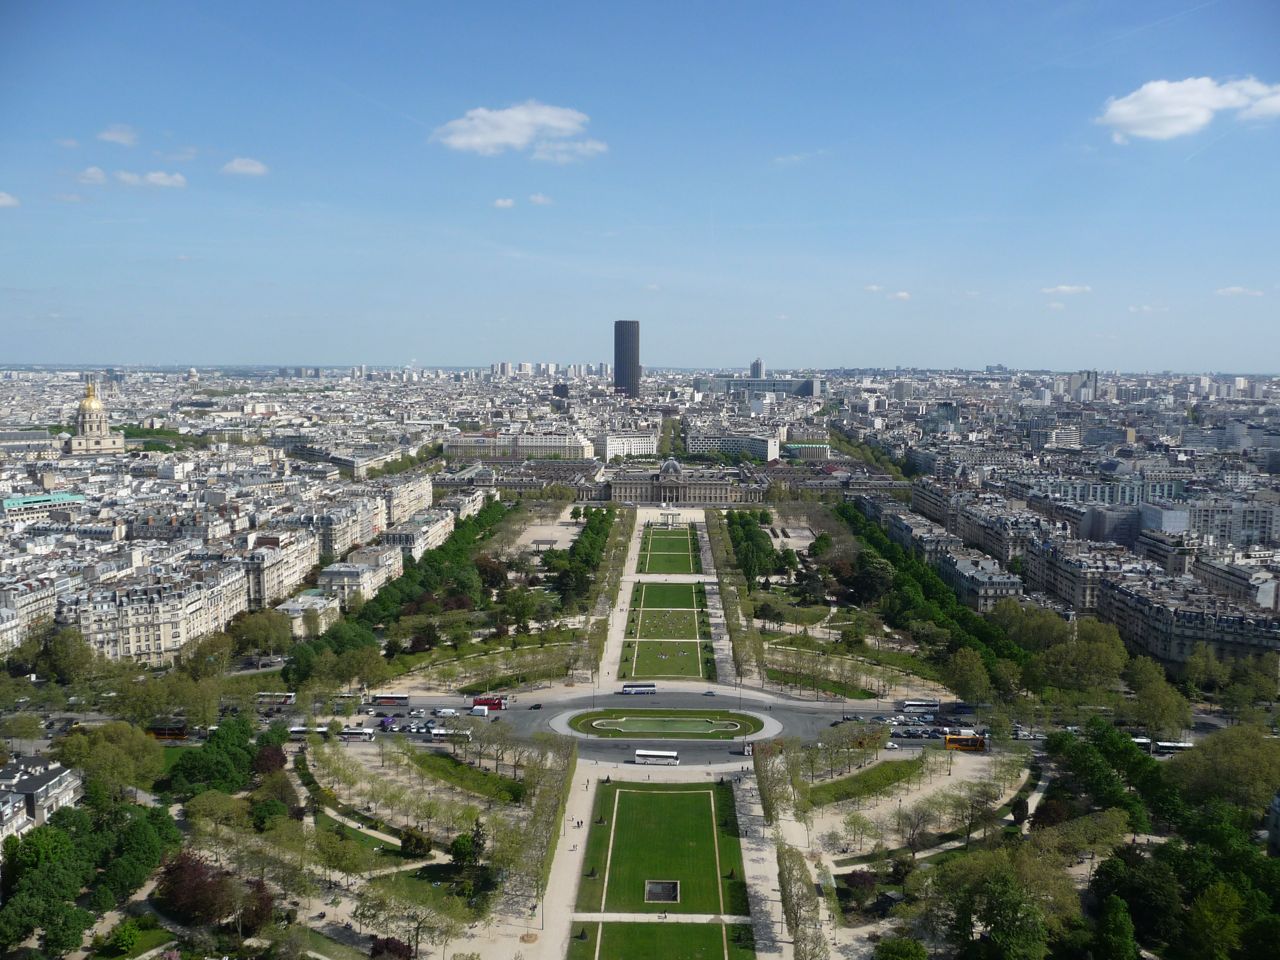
{"x": 671, "y": 596}
{"x": 669, "y": 941}
{"x": 147, "y": 940}
{"x": 486, "y": 783}
{"x": 865, "y": 783}
{"x": 388, "y": 852}
{"x": 437, "y": 882}
{"x": 665, "y": 563}
{"x": 664, "y": 625}
{"x": 314, "y": 941}
{"x": 171, "y": 755}
{"x": 664, "y": 832}
{"x": 665, "y": 658}
{"x": 744, "y": 724}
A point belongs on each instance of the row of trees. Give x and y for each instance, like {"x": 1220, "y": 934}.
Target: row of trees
{"x": 752, "y": 546}
{"x": 572, "y": 570}
{"x": 800, "y": 905}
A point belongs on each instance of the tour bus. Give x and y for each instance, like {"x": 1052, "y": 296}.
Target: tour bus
{"x": 968, "y": 740}
{"x": 301, "y": 733}
{"x": 389, "y": 699}
{"x": 277, "y": 699}
{"x": 919, "y": 706}
{"x": 662, "y": 757}
{"x": 493, "y": 703}
{"x": 638, "y": 688}
{"x": 440, "y": 734}
{"x": 1169, "y": 747}
{"x": 1143, "y": 742}
{"x": 356, "y": 733}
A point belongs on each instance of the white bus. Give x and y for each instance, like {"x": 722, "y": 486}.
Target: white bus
{"x": 1168, "y": 747}
{"x": 356, "y": 733}
{"x": 639, "y": 688}
{"x": 919, "y": 706}
{"x": 440, "y": 734}
{"x": 389, "y": 699}
{"x": 302, "y": 733}
{"x": 277, "y": 699}
{"x": 662, "y": 757}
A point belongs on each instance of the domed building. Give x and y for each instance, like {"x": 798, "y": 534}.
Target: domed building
{"x": 93, "y": 428}
{"x": 678, "y": 485}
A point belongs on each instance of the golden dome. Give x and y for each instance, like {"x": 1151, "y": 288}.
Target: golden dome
{"x": 90, "y": 403}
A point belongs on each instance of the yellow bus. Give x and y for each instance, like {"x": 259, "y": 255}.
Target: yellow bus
{"x": 960, "y": 741}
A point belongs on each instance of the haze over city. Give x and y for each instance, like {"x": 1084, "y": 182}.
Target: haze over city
{"x": 1085, "y": 185}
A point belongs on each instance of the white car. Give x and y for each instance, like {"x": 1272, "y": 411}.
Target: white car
{"x": 891, "y": 746}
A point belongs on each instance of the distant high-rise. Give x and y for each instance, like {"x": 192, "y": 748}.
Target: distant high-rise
{"x": 757, "y": 369}
{"x": 626, "y": 357}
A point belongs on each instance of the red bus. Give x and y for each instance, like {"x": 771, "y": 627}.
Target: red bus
{"x": 493, "y": 703}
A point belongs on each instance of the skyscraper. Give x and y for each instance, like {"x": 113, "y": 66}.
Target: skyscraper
{"x": 757, "y": 369}
{"x": 626, "y": 357}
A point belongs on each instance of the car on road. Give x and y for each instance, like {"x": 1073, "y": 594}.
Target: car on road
{"x": 417, "y": 712}
{"x": 535, "y": 706}
{"x": 891, "y": 746}
{"x": 709, "y": 693}
{"x": 836, "y": 723}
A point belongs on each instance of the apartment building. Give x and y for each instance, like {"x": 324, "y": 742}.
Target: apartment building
{"x": 756, "y": 446}
{"x": 365, "y": 572}
{"x": 424, "y": 532}
{"x": 1073, "y": 570}
{"x": 278, "y": 563}
{"x": 978, "y": 580}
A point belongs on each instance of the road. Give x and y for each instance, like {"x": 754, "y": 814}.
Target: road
{"x": 806, "y": 719}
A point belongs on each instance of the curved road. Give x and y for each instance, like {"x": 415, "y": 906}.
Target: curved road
{"x": 804, "y": 719}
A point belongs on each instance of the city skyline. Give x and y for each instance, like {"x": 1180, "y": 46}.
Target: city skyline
{"x": 1088, "y": 186}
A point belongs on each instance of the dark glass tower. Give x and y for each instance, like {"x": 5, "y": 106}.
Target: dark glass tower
{"x": 626, "y": 357}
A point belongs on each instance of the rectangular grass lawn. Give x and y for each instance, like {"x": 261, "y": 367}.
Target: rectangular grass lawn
{"x": 664, "y": 832}
{"x": 665, "y": 563}
{"x": 667, "y": 596}
{"x": 666, "y": 625}
{"x": 666, "y": 658}
{"x": 669, "y": 941}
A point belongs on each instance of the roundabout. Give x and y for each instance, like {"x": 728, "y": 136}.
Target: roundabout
{"x": 666, "y": 724}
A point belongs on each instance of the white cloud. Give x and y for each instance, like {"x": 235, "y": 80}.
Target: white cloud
{"x": 540, "y": 200}
{"x": 9, "y": 200}
{"x": 1164, "y": 109}
{"x": 551, "y": 133}
{"x": 183, "y": 258}
{"x": 873, "y": 288}
{"x": 1238, "y": 292}
{"x": 652, "y": 286}
{"x": 504, "y": 203}
{"x": 1067, "y": 289}
{"x": 245, "y": 167}
{"x": 68, "y": 142}
{"x": 1148, "y": 308}
{"x": 120, "y": 133}
{"x": 157, "y": 178}
{"x": 1056, "y": 305}
{"x": 92, "y": 175}
{"x": 900, "y": 295}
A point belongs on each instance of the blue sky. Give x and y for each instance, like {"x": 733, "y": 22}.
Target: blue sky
{"x": 1087, "y": 184}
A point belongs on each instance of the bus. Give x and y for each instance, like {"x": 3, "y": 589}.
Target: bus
{"x": 493, "y": 703}
{"x": 355, "y": 733}
{"x": 389, "y": 699}
{"x": 277, "y": 699}
{"x": 302, "y": 733}
{"x": 970, "y": 742}
{"x": 662, "y": 757}
{"x": 442, "y": 734}
{"x": 920, "y": 706}
{"x": 638, "y": 688}
{"x": 1169, "y": 747}
{"x": 1143, "y": 742}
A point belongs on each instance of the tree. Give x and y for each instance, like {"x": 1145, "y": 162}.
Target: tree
{"x": 914, "y": 824}
{"x": 1203, "y": 670}
{"x": 967, "y": 676}
{"x": 1212, "y": 929}
{"x": 1114, "y": 939}
{"x": 1160, "y": 709}
{"x": 22, "y": 726}
{"x": 1019, "y": 810}
{"x": 873, "y": 576}
{"x": 210, "y": 657}
{"x": 1239, "y": 765}
{"x": 124, "y": 937}
{"x": 900, "y": 948}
